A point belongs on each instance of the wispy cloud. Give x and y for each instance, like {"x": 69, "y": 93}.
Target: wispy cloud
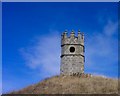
{"x": 102, "y": 49}
{"x": 44, "y": 54}
{"x": 111, "y": 28}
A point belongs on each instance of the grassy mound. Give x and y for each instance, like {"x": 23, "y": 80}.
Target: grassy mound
{"x": 72, "y": 85}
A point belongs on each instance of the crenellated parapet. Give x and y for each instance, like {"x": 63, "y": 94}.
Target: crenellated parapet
{"x": 72, "y": 39}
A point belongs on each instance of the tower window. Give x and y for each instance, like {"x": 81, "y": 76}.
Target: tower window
{"x": 72, "y": 49}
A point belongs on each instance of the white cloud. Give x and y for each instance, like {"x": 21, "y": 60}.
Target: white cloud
{"x": 99, "y": 74}
{"x": 110, "y": 28}
{"x": 102, "y": 48}
{"x": 44, "y": 54}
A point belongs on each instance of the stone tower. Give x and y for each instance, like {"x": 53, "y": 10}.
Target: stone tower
{"x": 72, "y": 53}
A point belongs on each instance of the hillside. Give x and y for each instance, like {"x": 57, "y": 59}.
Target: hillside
{"x": 71, "y": 85}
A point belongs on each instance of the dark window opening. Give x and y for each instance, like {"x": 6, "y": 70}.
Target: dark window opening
{"x": 72, "y": 49}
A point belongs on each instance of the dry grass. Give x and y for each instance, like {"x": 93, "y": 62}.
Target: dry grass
{"x": 72, "y": 85}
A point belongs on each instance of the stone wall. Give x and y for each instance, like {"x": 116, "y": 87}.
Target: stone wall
{"x": 72, "y": 53}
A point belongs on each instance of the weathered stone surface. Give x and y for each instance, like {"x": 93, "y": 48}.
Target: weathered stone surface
{"x": 72, "y": 54}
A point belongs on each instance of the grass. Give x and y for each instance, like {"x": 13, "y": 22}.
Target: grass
{"x": 72, "y": 85}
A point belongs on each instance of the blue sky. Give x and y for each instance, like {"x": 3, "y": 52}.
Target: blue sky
{"x": 31, "y": 39}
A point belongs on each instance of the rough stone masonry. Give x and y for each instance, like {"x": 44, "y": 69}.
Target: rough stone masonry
{"x": 72, "y": 53}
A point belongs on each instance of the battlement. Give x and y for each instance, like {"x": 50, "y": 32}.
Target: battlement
{"x": 72, "y": 39}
